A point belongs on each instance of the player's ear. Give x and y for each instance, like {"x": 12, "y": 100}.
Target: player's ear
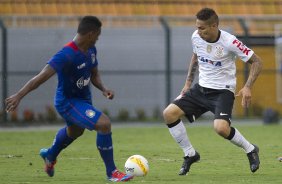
{"x": 97, "y": 32}
{"x": 214, "y": 25}
{"x": 91, "y": 34}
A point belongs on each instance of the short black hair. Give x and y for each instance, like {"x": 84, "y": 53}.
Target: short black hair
{"x": 208, "y": 14}
{"x": 89, "y": 23}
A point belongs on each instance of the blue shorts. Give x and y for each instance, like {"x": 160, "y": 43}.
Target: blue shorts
{"x": 80, "y": 113}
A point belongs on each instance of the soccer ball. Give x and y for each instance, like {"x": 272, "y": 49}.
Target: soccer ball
{"x": 136, "y": 165}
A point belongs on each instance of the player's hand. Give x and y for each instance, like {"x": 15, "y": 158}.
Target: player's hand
{"x": 245, "y": 92}
{"x": 12, "y": 103}
{"x": 109, "y": 94}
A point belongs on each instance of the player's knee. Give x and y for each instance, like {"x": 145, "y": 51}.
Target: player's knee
{"x": 170, "y": 114}
{"x": 78, "y": 134}
{"x": 221, "y": 127}
{"x": 75, "y": 131}
{"x": 167, "y": 115}
{"x": 104, "y": 124}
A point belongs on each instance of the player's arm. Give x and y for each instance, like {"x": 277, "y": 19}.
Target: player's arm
{"x": 191, "y": 73}
{"x": 13, "y": 101}
{"x": 97, "y": 82}
{"x": 255, "y": 69}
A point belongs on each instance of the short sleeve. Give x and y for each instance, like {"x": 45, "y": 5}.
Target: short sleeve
{"x": 239, "y": 49}
{"x": 59, "y": 60}
{"x": 193, "y": 42}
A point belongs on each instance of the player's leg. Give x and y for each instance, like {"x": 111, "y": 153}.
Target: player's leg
{"x": 86, "y": 116}
{"x": 104, "y": 143}
{"x": 222, "y": 127}
{"x": 105, "y": 146}
{"x": 63, "y": 139}
{"x": 172, "y": 115}
{"x": 184, "y": 106}
{"x": 73, "y": 113}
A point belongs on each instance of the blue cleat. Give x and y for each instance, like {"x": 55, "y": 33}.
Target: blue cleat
{"x": 49, "y": 165}
{"x": 118, "y": 176}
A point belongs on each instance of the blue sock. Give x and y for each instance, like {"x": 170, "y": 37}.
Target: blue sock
{"x": 61, "y": 141}
{"x": 105, "y": 146}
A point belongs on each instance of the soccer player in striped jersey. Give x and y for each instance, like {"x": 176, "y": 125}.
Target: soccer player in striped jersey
{"x": 76, "y": 66}
{"x": 214, "y": 55}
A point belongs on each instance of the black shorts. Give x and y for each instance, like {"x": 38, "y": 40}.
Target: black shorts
{"x": 199, "y": 100}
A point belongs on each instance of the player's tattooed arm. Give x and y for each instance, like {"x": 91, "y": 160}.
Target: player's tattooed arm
{"x": 192, "y": 68}
{"x": 191, "y": 73}
{"x": 255, "y": 69}
{"x": 245, "y": 92}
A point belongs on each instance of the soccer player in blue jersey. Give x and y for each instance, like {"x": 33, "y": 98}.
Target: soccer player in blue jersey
{"x": 76, "y": 65}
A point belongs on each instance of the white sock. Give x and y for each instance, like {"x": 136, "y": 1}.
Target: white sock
{"x": 179, "y": 134}
{"x": 239, "y": 140}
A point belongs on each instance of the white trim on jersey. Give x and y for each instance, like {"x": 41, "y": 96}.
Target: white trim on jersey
{"x": 217, "y": 69}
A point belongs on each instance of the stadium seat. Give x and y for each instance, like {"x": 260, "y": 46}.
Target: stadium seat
{"x": 49, "y": 7}
{"x": 64, "y": 7}
{"x": 225, "y": 8}
{"x": 79, "y": 8}
{"x": 139, "y": 9}
{"x": 166, "y": 9}
{"x": 153, "y": 9}
{"x": 181, "y": 9}
{"x": 93, "y": 8}
{"x": 255, "y": 8}
{"x": 6, "y": 8}
{"x": 269, "y": 8}
{"x": 33, "y": 7}
{"x": 278, "y": 7}
{"x": 18, "y": 7}
{"x": 144, "y": 7}
{"x": 124, "y": 9}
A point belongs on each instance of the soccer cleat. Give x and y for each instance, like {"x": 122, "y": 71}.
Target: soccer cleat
{"x": 49, "y": 165}
{"x": 188, "y": 161}
{"x": 118, "y": 176}
{"x": 254, "y": 159}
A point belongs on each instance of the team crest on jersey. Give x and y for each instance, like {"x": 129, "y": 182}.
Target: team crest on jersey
{"x": 81, "y": 82}
{"x": 93, "y": 58}
{"x": 219, "y": 51}
{"x": 209, "y": 48}
{"x": 90, "y": 113}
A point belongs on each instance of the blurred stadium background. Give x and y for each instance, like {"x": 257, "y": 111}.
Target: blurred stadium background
{"x": 143, "y": 51}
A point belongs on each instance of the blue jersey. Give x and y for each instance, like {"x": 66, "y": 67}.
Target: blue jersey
{"x": 73, "y": 68}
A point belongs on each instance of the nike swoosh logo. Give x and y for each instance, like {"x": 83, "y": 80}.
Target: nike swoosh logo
{"x": 223, "y": 114}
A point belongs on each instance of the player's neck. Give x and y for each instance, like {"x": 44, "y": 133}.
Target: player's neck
{"x": 215, "y": 38}
{"x": 81, "y": 43}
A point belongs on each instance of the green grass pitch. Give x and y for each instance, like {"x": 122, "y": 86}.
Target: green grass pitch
{"x": 221, "y": 162}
